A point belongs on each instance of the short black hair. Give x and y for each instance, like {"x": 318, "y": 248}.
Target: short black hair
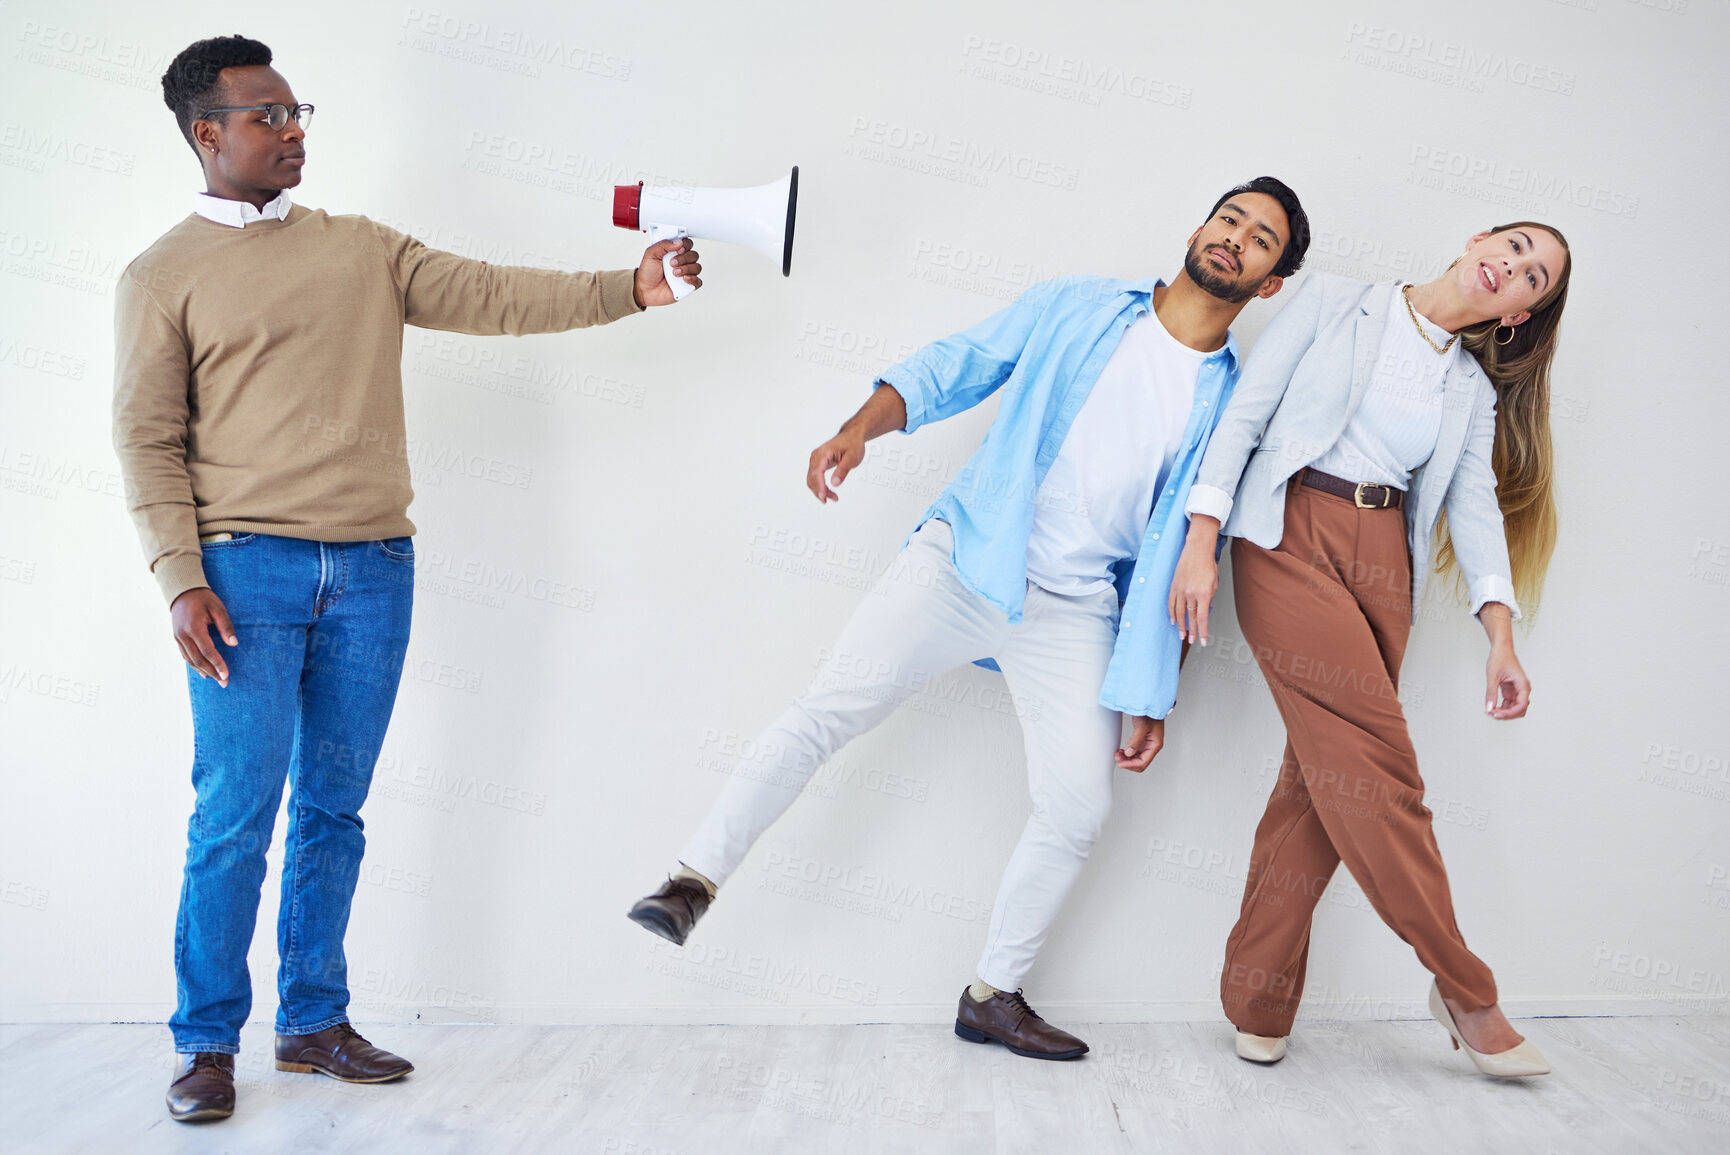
{"x": 193, "y": 81}
{"x": 1291, "y": 258}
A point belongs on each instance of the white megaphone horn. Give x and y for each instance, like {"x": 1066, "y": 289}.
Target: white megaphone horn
{"x": 760, "y": 218}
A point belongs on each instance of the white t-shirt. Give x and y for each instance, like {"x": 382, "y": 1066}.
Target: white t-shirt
{"x": 1395, "y": 427}
{"x": 1092, "y": 508}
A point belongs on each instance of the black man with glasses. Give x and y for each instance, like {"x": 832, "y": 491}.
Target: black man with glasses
{"x": 258, "y": 418}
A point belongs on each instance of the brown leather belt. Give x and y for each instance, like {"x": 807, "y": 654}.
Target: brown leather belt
{"x": 1360, "y": 493}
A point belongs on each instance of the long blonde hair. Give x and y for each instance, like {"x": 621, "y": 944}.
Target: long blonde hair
{"x": 1522, "y": 458}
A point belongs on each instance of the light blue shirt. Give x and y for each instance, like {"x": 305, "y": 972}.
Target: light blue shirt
{"x": 1048, "y": 348}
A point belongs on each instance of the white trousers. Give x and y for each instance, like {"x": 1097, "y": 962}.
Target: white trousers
{"x": 917, "y": 623}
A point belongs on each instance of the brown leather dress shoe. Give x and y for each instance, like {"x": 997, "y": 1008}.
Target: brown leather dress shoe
{"x": 341, "y": 1053}
{"x": 1006, "y": 1018}
{"x": 203, "y": 1088}
{"x": 673, "y": 910}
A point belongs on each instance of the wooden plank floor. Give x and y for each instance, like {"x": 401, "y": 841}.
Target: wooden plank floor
{"x": 1620, "y": 1085}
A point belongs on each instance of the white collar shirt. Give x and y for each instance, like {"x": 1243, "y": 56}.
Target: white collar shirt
{"x": 239, "y": 214}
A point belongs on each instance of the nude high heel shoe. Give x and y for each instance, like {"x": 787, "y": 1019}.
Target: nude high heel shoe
{"x": 1260, "y": 1048}
{"x": 1514, "y": 1062}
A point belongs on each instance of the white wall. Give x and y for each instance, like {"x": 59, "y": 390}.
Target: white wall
{"x": 663, "y": 479}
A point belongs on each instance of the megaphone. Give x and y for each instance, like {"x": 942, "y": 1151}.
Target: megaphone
{"x": 760, "y": 218}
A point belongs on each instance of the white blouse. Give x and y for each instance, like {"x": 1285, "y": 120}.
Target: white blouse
{"x": 1395, "y": 427}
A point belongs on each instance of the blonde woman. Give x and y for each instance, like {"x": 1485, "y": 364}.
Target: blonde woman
{"x": 1365, "y": 413}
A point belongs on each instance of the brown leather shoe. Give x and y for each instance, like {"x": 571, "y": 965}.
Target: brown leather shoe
{"x": 203, "y": 1088}
{"x": 341, "y": 1053}
{"x": 1006, "y": 1018}
{"x": 673, "y": 910}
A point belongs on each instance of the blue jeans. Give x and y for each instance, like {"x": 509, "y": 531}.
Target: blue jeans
{"x": 322, "y": 627}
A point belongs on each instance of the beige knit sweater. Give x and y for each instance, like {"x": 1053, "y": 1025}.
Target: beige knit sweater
{"x": 244, "y": 357}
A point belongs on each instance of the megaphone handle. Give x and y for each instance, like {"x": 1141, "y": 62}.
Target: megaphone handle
{"x": 680, "y": 286}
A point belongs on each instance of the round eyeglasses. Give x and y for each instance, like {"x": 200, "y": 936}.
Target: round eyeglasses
{"x": 276, "y": 115}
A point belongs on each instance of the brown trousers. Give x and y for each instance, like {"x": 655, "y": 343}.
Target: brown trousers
{"x": 1327, "y": 614}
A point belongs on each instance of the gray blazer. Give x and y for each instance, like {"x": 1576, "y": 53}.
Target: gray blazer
{"x": 1300, "y": 385}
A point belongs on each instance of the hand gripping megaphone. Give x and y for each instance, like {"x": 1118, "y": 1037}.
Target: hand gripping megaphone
{"x": 760, "y": 218}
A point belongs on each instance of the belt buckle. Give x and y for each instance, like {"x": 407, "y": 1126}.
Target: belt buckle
{"x": 1358, "y": 496}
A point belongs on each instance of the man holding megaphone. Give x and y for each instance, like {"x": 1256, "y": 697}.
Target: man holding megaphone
{"x": 258, "y": 416}
{"x": 1052, "y": 551}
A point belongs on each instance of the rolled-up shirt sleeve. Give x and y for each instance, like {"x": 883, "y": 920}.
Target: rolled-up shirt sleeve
{"x": 954, "y": 373}
{"x": 1206, "y": 499}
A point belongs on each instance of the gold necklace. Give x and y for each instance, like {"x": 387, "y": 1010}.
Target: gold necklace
{"x": 1407, "y": 294}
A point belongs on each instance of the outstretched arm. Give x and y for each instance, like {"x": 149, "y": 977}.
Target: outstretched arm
{"x": 946, "y": 377}
{"x": 953, "y": 374}
{"x": 442, "y": 290}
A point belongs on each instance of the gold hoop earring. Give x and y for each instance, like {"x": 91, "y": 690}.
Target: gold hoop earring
{"x": 1498, "y": 340}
